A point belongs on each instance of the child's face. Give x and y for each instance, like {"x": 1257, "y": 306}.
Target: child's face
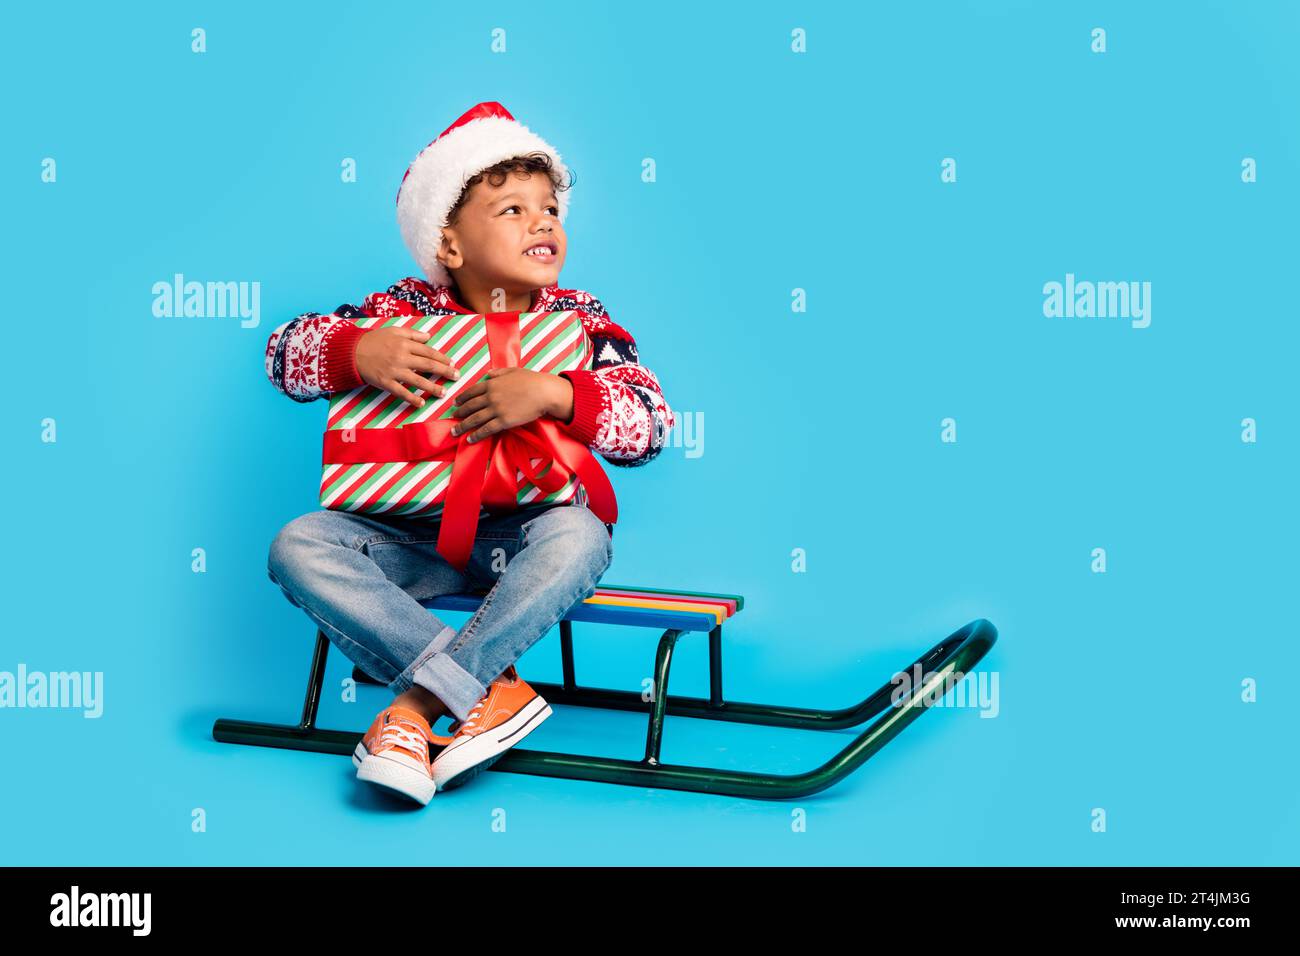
{"x": 497, "y": 225}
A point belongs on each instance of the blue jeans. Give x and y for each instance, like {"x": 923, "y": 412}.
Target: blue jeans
{"x": 360, "y": 578}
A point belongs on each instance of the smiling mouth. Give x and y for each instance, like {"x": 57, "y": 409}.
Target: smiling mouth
{"x": 545, "y": 253}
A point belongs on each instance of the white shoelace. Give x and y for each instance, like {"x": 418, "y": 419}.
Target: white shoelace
{"x": 400, "y": 735}
{"x": 473, "y": 715}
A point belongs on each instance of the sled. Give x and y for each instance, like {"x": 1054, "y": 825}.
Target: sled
{"x": 676, "y": 613}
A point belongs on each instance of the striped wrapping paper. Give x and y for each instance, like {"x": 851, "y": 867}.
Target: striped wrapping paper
{"x": 550, "y": 342}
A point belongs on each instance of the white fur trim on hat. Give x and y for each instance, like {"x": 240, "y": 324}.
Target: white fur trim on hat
{"x": 438, "y": 175}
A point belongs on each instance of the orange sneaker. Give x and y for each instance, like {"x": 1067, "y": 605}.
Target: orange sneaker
{"x": 505, "y": 715}
{"x": 394, "y": 753}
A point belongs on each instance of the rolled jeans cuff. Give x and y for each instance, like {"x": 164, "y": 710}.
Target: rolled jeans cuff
{"x": 441, "y": 676}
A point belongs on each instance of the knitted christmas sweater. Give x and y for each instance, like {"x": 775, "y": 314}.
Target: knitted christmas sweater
{"x": 619, "y": 410}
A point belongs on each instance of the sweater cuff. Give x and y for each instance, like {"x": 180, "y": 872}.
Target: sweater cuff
{"x": 338, "y": 357}
{"x": 586, "y": 403}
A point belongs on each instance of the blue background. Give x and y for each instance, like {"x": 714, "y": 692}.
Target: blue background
{"x": 776, "y": 171}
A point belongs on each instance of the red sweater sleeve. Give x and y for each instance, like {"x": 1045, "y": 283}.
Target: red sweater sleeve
{"x": 586, "y": 404}
{"x": 339, "y": 357}
{"x": 314, "y": 355}
{"x": 619, "y": 410}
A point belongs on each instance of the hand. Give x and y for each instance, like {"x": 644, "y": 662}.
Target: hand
{"x": 507, "y": 397}
{"x": 392, "y": 357}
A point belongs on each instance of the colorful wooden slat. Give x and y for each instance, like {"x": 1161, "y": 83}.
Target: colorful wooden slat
{"x": 638, "y": 607}
{"x": 740, "y": 601}
{"x": 719, "y": 613}
{"x": 727, "y": 605}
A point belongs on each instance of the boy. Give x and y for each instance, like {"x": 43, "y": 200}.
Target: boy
{"x": 481, "y": 209}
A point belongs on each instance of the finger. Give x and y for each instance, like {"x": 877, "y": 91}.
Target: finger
{"x": 494, "y": 372}
{"x": 425, "y": 352}
{"x": 408, "y": 377}
{"x": 473, "y": 422}
{"x": 415, "y": 335}
{"x": 488, "y": 430}
{"x": 422, "y": 364}
{"x": 463, "y": 409}
{"x": 474, "y": 391}
{"x": 394, "y": 387}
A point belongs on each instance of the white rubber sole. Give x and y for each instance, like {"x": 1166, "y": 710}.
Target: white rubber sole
{"x": 460, "y": 761}
{"x": 394, "y": 774}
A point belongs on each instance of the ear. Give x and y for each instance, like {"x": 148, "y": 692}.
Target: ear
{"x": 448, "y": 254}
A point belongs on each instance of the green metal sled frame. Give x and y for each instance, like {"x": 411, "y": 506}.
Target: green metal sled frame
{"x": 945, "y": 663}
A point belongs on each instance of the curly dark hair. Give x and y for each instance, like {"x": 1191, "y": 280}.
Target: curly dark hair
{"x": 535, "y": 162}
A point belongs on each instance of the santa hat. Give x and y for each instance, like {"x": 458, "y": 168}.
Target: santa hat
{"x": 482, "y": 137}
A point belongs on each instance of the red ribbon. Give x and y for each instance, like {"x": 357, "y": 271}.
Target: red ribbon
{"x": 485, "y": 473}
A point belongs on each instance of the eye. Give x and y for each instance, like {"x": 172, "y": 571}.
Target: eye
{"x": 517, "y": 206}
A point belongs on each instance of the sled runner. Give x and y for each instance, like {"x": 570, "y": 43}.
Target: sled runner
{"x": 676, "y": 613}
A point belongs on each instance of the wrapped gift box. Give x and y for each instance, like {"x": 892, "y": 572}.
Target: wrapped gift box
{"x": 384, "y": 456}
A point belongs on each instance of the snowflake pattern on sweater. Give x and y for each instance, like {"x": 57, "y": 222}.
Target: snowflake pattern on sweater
{"x": 618, "y": 406}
